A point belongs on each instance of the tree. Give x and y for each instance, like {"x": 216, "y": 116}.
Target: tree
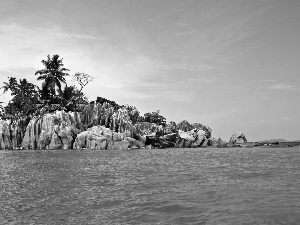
{"x": 82, "y": 79}
{"x": 53, "y": 75}
{"x": 154, "y": 117}
{"x": 70, "y": 97}
{"x": 11, "y": 85}
{"x": 25, "y": 97}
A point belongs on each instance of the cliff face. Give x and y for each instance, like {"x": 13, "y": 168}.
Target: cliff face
{"x": 52, "y": 131}
{"x": 120, "y": 120}
{"x": 96, "y": 127}
{"x": 11, "y": 133}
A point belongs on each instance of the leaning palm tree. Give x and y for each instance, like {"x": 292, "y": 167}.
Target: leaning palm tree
{"x": 53, "y": 74}
{"x": 11, "y": 85}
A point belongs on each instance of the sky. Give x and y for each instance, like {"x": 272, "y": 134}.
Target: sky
{"x": 233, "y": 65}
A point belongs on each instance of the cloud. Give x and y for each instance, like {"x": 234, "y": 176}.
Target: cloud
{"x": 285, "y": 87}
{"x": 265, "y": 81}
{"x": 22, "y": 47}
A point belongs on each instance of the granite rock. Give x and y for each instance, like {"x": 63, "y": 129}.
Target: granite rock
{"x": 238, "y": 138}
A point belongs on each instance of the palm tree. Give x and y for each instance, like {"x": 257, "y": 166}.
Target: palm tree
{"x": 53, "y": 74}
{"x": 11, "y": 85}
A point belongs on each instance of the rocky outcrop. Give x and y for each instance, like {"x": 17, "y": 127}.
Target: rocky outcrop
{"x": 102, "y": 138}
{"x": 11, "y": 133}
{"x": 5, "y": 137}
{"x": 147, "y": 128}
{"x": 98, "y": 126}
{"x": 52, "y": 131}
{"x": 105, "y": 115}
{"x": 238, "y": 138}
{"x": 193, "y": 138}
{"x": 186, "y": 126}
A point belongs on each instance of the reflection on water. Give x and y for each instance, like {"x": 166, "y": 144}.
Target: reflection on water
{"x": 171, "y": 186}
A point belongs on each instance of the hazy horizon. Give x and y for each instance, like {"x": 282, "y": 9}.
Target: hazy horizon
{"x": 231, "y": 65}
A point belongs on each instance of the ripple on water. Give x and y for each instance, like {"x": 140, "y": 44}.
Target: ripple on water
{"x": 172, "y": 186}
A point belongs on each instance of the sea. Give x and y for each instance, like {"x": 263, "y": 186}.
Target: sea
{"x": 157, "y": 186}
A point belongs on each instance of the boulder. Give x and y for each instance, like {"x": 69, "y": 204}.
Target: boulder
{"x": 156, "y": 141}
{"x": 133, "y": 143}
{"x": 192, "y": 138}
{"x": 100, "y": 137}
{"x": 238, "y": 138}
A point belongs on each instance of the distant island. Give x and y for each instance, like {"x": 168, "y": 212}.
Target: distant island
{"x": 57, "y": 117}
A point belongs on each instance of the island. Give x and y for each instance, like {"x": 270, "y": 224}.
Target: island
{"x": 52, "y": 117}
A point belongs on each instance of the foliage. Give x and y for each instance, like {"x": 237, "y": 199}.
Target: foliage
{"x": 25, "y": 97}
{"x": 101, "y": 100}
{"x": 154, "y": 117}
{"x": 11, "y": 85}
{"x": 71, "y": 97}
{"x": 82, "y": 79}
{"x": 171, "y": 128}
{"x": 29, "y": 99}
{"x": 53, "y": 75}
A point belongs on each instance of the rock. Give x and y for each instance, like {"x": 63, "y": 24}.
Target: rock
{"x": 200, "y": 136}
{"x": 121, "y": 120}
{"x": 134, "y": 143}
{"x": 96, "y": 137}
{"x": 193, "y": 138}
{"x": 52, "y": 131}
{"x": 12, "y": 132}
{"x": 238, "y": 138}
{"x": 172, "y": 137}
{"x": 148, "y": 147}
{"x": 180, "y": 143}
{"x": 120, "y": 145}
{"x": 5, "y": 142}
{"x": 156, "y": 142}
{"x": 100, "y": 137}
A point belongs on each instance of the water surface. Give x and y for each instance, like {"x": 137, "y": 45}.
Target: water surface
{"x": 163, "y": 186}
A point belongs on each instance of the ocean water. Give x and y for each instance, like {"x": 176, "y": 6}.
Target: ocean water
{"x": 162, "y": 186}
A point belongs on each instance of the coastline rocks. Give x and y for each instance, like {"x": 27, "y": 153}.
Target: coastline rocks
{"x": 11, "y": 133}
{"x": 119, "y": 145}
{"x": 52, "y": 131}
{"x": 147, "y": 128}
{"x": 91, "y": 139}
{"x": 156, "y": 142}
{"x": 193, "y": 138}
{"x": 186, "y": 127}
{"x": 120, "y": 120}
{"x": 5, "y": 142}
{"x": 238, "y": 138}
{"x": 102, "y": 138}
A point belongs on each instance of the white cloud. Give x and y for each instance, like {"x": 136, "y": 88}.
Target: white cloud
{"x": 22, "y": 50}
{"x": 285, "y": 87}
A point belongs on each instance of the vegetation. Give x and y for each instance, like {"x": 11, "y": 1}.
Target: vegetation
{"x": 25, "y": 97}
{"x": 153, "y": 117}
{"x": 29, "y": 99}
{"x": 53, "y": 75}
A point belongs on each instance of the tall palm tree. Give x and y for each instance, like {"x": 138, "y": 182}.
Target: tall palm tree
{"x": 53, "y": 74}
